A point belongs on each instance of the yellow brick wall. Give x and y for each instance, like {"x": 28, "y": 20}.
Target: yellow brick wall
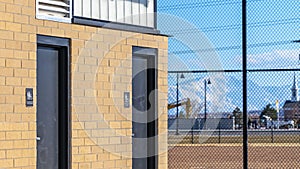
{"x": 101, "y": 72}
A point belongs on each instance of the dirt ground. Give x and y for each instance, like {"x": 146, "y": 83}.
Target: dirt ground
{"x": 261, "y": 156}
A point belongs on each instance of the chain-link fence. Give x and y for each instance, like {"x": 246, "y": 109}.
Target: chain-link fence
{"x": 206, "y": 83}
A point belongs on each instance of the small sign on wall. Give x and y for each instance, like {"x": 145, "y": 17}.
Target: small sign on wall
{"x": 29, "y": 97}
{"x": 126, "y": 99}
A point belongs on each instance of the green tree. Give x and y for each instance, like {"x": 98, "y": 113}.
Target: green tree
{"x": 238, "y": 115}
{"x": 269, "y": 111}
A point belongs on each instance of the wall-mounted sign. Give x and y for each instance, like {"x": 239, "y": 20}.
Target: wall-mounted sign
{"x": 29, "y": 97}
{"x": 126, "y": 99}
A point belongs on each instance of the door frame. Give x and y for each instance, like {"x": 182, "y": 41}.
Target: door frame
{"x": 151, "y": 55}
{"x": 63, "y": 47}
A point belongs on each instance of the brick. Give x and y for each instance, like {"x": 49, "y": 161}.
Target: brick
{"x": 2, "y": 25}
{"x": 28, "y": 11}
{"x": 15, "y": 63}
{"x": 51, "y": 24}
{"x": 6, "y": 17}
{"x": 2, "y": 62}
{"x": 10, "y": 117}
{"x": 28, "y": 46}
{"x": 23, "y": 19}
{"x": 5, "y": 145}
{"x": 6, "y": 163}
{"x": 28, "y": 135}
{"x": 14, "y": 153}
{"x": 21, "y": 162}
{"x": 84, "y": 165}
{"x": 13, "y": 81}
{"x": 13, "y": 135}
{"x": 13, "y": 44}
{"x": 2, "y": 99}
{"x": 90, "y": 157}
{"x": 16, "y": 27}
{"x": 2, "y": 7}
{"x": 78, "y": 27}
{"x": 78, "y": 158}
{"x": 109, "y": 164}
{"x": 44, "y": 30}
{"x": 28, "y": 28}
{"x": 57, "y": 32}
{"x": 21, "y": 36}
{"x": 7, "y": 90}
{"x": 21, "y": 72}
{"x": 115, "y": 125}
{"x": 28, "y": 81}
{"x": 20, "y": 144}
{"x": 30, "y": 64}
{"x": 2, "y": 118}
{"x": 84, "y": 35}
{"x": 28, "y": 117}
{"x": 21, "y": 2}
{"x": 13, "y": 99}
{"x": 13, "y": 8}
{"x": 6, "y": 35}
{"x": 2, "y": 152}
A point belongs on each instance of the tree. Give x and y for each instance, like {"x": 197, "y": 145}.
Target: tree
{"x": 238, "y": 115}
{"x": 269, "y": 111}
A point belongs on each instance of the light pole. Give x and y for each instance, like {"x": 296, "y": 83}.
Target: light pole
{"x": 177, "y": 103}
{"x": 206, "y": 82}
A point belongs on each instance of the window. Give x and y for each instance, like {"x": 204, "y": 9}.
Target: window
{"x": 57, "y": 10}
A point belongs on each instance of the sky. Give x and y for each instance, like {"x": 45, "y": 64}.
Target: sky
{"x": 206, "y": 35}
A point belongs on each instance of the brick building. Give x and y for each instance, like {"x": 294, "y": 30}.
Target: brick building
{"x": 83, "y": 84}
{"x": 291, "y": 107}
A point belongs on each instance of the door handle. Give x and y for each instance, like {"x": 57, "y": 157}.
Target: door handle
{"x": 38, "y": 138}
{"x": 132, "y": 135}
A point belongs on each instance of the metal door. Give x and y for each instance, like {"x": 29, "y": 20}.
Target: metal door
{"x": 143, "y": 122}
{"x": 47, "y": 108}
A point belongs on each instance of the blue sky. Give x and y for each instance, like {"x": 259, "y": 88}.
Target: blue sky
{"x": 275, "y": 22}
{"x": 207, "y": 35}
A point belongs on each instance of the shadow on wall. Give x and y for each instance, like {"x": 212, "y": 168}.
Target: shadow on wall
{"x": 144, "y": 2}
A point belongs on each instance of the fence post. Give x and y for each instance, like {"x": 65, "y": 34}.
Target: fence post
{"x": 272, "y": 133}
{"x": 193, "y": 133}
{"x": 219, "y": 133}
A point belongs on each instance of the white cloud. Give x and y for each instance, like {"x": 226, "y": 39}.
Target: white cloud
{"x": 274, "y": 59}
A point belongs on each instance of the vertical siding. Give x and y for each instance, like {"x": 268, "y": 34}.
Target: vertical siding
{"x": 128, "y": 11}
{"x": 143, "y": 12}
{"x": 112, "y": 10}
{"x": 78, "y": 7}
{"x": 137, "y": 12}
{"x": 120, "y": 11}
{"x": 87, "y": 11}
{"x": 150, "y": 13}
{"x": 96, "y": 9}
{"x": 104, "y": 9}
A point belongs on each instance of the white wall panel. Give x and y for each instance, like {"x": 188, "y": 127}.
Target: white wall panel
{"x": 136, "y": 12}
{"x": 96, "y": 9}
{"x": 87, "y": 11}
{"x": 112, "y": 10}
{"x": 128, "y": 11}
{"x": 78, "y": 7}
{"x": 143, "y": 12}
{"x": 120, "y": 11}
{"x": 104, "y": 9}
{"x": 150, "y": 13}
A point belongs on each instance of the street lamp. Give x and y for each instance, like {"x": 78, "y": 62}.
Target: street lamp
{"x": 177, "y": 103}
{"x": 206, "y": 82}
